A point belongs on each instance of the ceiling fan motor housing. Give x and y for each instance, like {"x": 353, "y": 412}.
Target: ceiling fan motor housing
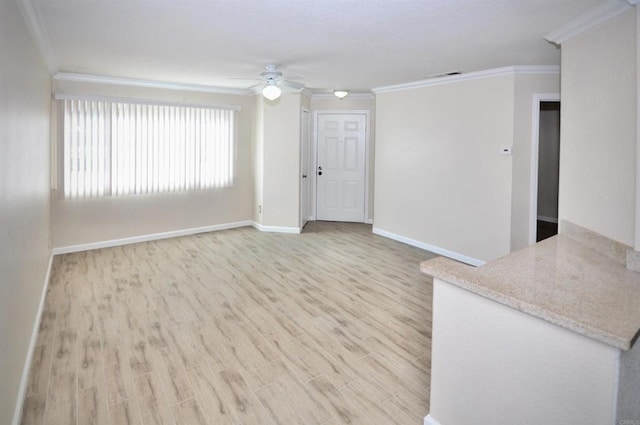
{"x": 271, "y": 75}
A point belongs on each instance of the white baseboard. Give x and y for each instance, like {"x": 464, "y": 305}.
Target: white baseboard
{"x": 150, "y": 237}
{"x": 548, "y": 219}
{"x": 437, "y": 250}
{"x": 428, "y": 420}
{"x": 276, "y": 229}
{"x": 22, "y": 390}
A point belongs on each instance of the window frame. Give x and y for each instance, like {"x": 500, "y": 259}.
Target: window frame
{"x": 58, "y": 141}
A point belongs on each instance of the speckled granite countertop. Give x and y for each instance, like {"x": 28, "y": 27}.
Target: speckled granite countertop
{"x": 559, "y": 280}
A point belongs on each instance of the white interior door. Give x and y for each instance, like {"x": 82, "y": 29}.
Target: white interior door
{"x": 305, "y": 167}
{"x": 340, "y": 173}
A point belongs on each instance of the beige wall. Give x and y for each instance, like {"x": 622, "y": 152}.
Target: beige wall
{"x": 598, "y": 131}
{"x": 357, "y": 103}
{"x": 526, "y": 86}
{"x": 24, "y": 197}
{"x": 637, "y": 216}
{"x": 281, "y": 162}
{"x": 77, "y": 222}
{"x": 439, "y": 175}
{"x": 305, "y": 101}
{"x": 258, "y": 158}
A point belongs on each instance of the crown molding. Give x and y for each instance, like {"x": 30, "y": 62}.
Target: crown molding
{"x": 350, "y": 95}
{"x": 40, "y": 37}
{"x": 495, "y": 72}
{"x": 102, "y": 79}
{"x": 591, "y": 19}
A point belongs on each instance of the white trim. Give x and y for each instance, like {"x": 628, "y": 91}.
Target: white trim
{"x": 350, "y": 95}
{"x": 142, "y": 101}
{"x": 586, "y": 21}
{"x": 276, "y": 229}
{"x": 367, "y": 165}
{"x": 437, "y": 250}
{"x": 17, "y": 413}
{"x": 303, "y": 220}
{"x": 535, "y": 147}
{"x": 149, "y": 237}
{"x": 340, "y": 111}
{"x": 39, "y": 34}
{"x": 495, "y": 72}
{"x": 367, "y": 152}
{"x": 368, "y": 221}
{"x": 132, "y": 82}
{"x": 547, "y": 219}
{"x": 428, "y": 420}
{"x": 314, "y": 165}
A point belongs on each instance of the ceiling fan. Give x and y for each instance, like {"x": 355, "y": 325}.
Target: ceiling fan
{"x": 273, "y": 83}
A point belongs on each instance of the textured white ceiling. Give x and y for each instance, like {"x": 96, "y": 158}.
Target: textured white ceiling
{"x": 354, "y": 44}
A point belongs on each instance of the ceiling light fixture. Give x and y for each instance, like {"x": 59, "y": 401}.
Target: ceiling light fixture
{"x": 341, "y": 94}
{"x": 271, "y": 91}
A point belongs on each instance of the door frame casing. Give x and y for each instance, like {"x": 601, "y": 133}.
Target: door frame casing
{"x": 367, "y": 121}
{"x": 538, "y": 98}
{"x": 303, "y": 220}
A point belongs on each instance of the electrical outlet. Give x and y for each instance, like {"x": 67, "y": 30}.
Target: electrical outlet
{"x": 259, "y": 209}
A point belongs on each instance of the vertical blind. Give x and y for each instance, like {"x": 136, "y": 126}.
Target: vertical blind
{"x": 116, "y": 148}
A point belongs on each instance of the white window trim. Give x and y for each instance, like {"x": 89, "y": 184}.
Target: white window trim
{"x": 57, "y": 151}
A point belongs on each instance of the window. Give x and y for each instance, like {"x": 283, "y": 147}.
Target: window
{"x": 119, "y": 148}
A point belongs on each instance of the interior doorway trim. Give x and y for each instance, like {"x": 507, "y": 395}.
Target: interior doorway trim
{"x": 535, "y": 148}
{"x": 314, "y": 148}
{"x": 303, "y": 111}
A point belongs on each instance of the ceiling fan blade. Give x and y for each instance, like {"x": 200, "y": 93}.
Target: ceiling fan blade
{"x": 295, "y": 77}
{"x": 246, "y": 79}
{"x": 292, "y": 86}
{"x": 257, "y": 87}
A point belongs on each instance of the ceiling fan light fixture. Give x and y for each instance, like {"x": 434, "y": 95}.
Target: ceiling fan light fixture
{"x": 341, "y": 94}
{"x": 271, "y": 91}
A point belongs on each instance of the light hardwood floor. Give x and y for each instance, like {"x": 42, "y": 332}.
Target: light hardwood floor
{"x": 332, "y": 326}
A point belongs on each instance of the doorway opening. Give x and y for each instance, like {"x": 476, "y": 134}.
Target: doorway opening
{"x": 545, "y": 168}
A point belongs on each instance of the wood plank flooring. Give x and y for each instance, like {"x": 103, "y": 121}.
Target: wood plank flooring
{"x": 237, "y": 327}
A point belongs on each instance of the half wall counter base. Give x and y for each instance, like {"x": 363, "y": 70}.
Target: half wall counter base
{"x": 543, "y": 336}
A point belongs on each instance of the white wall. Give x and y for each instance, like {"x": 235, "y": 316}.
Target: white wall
{"x": 494, "y": 365}
{"x": 598, "y": 132}
{"x": 353, "y": 103}
{"x": 439, "y": 175}
{"x": 76, "y": 222}
{"x": 526, "y": 86}
{"x": 24, "y": 197}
